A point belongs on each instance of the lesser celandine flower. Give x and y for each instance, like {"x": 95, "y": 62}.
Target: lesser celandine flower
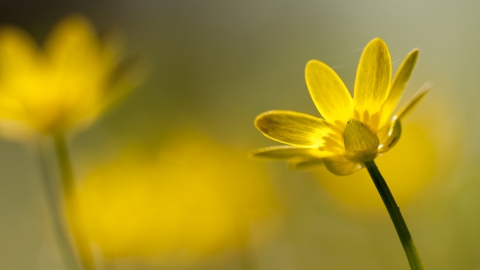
{"x": 74, "y": 76}
{"x": 354, "y": 131}
{"x": 170, "y": 203}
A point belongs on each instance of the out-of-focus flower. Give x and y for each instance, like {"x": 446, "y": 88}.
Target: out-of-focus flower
{"x": 74, "y": 77}
{"x": 353, "y": 131}
{"x": 194, "y": 198}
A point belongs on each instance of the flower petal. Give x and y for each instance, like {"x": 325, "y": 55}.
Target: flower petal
{"x": 398, "y": 85}
{"x": 13, "y": 110}
{"x": 407, "y": 108}
{"x": 340, "y": 165}
{"x": 293, "y": 128}
{"x": 305, "y": 164}
{"x": 77, "y": 67}
{"x": 328, "y": 92}
{"x": 73, "y": 44}
{"x": 18, "y": 53}
{"x": 286, "y": 152}
{"x": 389, "y": 138}
{"x": 373, "y": 80}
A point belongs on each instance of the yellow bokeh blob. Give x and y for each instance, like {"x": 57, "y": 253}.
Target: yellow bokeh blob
{"x": 193, "y": 196}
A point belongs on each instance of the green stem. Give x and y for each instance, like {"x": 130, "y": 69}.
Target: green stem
{"x": 396, "y": 216}
{"x": 53, "y": 204}
{"x": 70, "y": 193}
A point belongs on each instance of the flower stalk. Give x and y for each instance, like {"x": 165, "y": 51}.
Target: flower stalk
{"x": 57, "y": 219}
{"x": 70, "y": 196}
{"x": 395, "y": 215}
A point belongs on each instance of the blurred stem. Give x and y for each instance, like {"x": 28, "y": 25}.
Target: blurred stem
{"x": 53, "y": 204}
{"x": 70, "y": 195}
{"x": 396, "y": 216}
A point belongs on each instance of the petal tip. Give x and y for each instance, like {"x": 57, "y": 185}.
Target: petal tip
{"x": 75, "y": 19}
{"x": 252, "y": 153}
{"x": 377, "y": 40}
{"x": 379, "y": 44}
{"x": 413, "y": 54}
{"x": 259, "y": 120}
{"x": 427, "y": 85}
{"x": 313, "y": 63}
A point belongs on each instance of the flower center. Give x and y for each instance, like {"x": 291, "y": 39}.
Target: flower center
{"x": 361, "y": 142}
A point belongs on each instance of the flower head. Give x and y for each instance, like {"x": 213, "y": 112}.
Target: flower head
{"x": 354, "y": 130}
{"x": 75, "y": 76}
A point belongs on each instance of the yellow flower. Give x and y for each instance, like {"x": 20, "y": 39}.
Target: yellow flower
{"x": 353, "y": 131}
{"x": 75, "y": 76}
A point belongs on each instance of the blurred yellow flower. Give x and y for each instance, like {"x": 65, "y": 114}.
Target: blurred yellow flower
{"x": 353, "y": 131}
{"x": 75, "y": 76}
{"x": 195, "y": 198}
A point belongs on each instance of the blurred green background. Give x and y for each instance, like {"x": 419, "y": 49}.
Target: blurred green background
{"x": 214, "y": 65}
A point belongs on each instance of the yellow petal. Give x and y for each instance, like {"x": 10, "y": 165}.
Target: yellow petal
{"x": 78, "y": 68}
{"x": 286, "y": 152}
{"x": 78, "y": 72}
{"x": 305, "y": 164}
{"x": 373, "y": 81}
{"x": 398, "y": 85}
{"x": 73, "y": 42}
{"x": 389, "y": 138}
{"x": 293, "y": 128}
{"x": 12, "y": 109}
{"x": 18, "y": 54}
{"x": 407, "y": 108}
{"x": 328, "y": 92}
{"x": 340, "y": 165}
{"x": 122, "y": 79}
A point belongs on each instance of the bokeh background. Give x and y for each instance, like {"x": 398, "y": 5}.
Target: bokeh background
{"x": 199, "y": 202}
